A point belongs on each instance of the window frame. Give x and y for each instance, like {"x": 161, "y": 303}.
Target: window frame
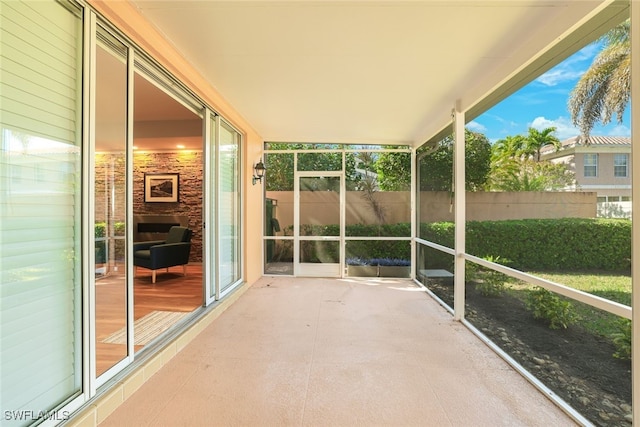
{"x": 616, "y": 165}
{"x": 590, "y": 160}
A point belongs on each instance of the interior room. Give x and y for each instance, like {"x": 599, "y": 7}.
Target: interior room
{"x": 166, "y": 165}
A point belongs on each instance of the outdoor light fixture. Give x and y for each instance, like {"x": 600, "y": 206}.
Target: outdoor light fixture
{"x": 258, "y": 171}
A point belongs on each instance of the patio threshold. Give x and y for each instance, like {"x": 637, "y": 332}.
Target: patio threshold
{"x": 317, "y": 352}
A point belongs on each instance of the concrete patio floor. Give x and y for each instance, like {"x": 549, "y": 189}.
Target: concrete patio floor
{"x": 329, "y": 352}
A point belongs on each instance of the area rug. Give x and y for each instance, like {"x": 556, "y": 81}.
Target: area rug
{"x": 148, "y": 327}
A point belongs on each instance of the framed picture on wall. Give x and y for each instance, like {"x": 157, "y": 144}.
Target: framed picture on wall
{"x": 161, "y": 187}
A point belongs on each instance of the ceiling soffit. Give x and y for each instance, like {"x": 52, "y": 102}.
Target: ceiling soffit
{"x": 372, "y": 71}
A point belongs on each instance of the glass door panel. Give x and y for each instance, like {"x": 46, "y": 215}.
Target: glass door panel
{"x": 110, "y": 203}
{"x": 319, "y": 225}
{"x": 229, "y": 207}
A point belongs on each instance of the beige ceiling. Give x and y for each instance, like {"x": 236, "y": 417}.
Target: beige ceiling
{"x": 160, "y": 122}
{"x": 372, "y": 71}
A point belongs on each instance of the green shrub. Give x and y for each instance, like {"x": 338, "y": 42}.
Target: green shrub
{"x": 569, "y": 244}
{"x": 101, "y": 229}
{"x": 545, "y": 244}
{"x": 119, "y": 228}
{"x": 622, "y": 340}
{"x": 394, "y": 249}
{"x": 402, "y": 229}
{"x": 117, "y": 249}
{"x": 547, "y": 306}
{"x": 488, "y": 282}
{"x": 441, "y": 233}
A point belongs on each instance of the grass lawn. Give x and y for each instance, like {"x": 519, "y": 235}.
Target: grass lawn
{"x": 612, "y": 286}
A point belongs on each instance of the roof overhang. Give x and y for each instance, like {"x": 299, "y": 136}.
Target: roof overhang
{"x": 386, "y": 72}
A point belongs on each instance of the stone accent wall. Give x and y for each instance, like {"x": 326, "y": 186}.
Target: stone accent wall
{"x": 188, "y": 164}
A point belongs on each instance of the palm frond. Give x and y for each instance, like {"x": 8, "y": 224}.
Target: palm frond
{"x": 603, "y": 90}
{"x": 618, "y": 34}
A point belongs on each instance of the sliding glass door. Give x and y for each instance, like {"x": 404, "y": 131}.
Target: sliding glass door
{"x": 110, "y": 202}
{"x": 229, "y": 205}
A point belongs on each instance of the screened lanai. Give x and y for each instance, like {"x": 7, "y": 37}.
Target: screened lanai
{"x": 329, "y": 207}
{"x": 349, "y": 212}
{"x": 330, "y": 211}
{"x": 364, "y": 115}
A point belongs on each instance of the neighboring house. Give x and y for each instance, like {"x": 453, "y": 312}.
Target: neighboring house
{"x": 603, "y": 165}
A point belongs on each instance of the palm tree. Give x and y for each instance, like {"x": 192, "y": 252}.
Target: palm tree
{"x": 604, "y": 89}
{"x": 508, "y": 148}
{"x": 538, "y": 139}
{"x": 529, "y": 175}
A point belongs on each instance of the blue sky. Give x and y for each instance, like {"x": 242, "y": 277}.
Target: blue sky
{"x": 543, "y": 103}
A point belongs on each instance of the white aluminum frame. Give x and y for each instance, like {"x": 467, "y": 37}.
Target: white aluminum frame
{"x": 241, "y": 215}
{"x": 343, "y": 238}
{"x": 90, "y": 384}
{"x": 460, "y": 209}
{"x": 209, "y": 212}
{"x": 635, "y": 191}
{"x": 97, "y": 381}
{"x": 324, "y": 269}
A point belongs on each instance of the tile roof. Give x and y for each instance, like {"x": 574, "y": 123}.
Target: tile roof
{"x": 609, "y": 140}
{"x": 592, "y": 141}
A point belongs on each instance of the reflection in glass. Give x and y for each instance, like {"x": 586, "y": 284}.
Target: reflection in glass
{"x": 41, "y": 270}
{"x": 229, "y": 206}
{"x": 213, "y": 131}
{"x": 110, "y": 204}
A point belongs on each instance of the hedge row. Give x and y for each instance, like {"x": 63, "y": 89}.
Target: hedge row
{"x": 544, "y": 244}
{"x": 381, "y": 249}
{"x": 101, "y": 246}
{"x": 527, "y": 244}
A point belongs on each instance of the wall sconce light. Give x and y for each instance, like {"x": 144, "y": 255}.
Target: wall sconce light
{"x": 258, "y": 172}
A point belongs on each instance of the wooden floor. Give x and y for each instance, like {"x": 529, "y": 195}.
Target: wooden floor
{"x": 171, "y": 292}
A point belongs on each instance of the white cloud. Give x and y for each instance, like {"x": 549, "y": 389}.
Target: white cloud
{"x": 502, "y": 121}
{"x": 559, "y": 75}
{"x": 572, "y": 68}
{"x": 619, "y": 130}
{"x": 564, "y": 128}
{"x": 587, "y": 53}
{"x": 476, "y": 127}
